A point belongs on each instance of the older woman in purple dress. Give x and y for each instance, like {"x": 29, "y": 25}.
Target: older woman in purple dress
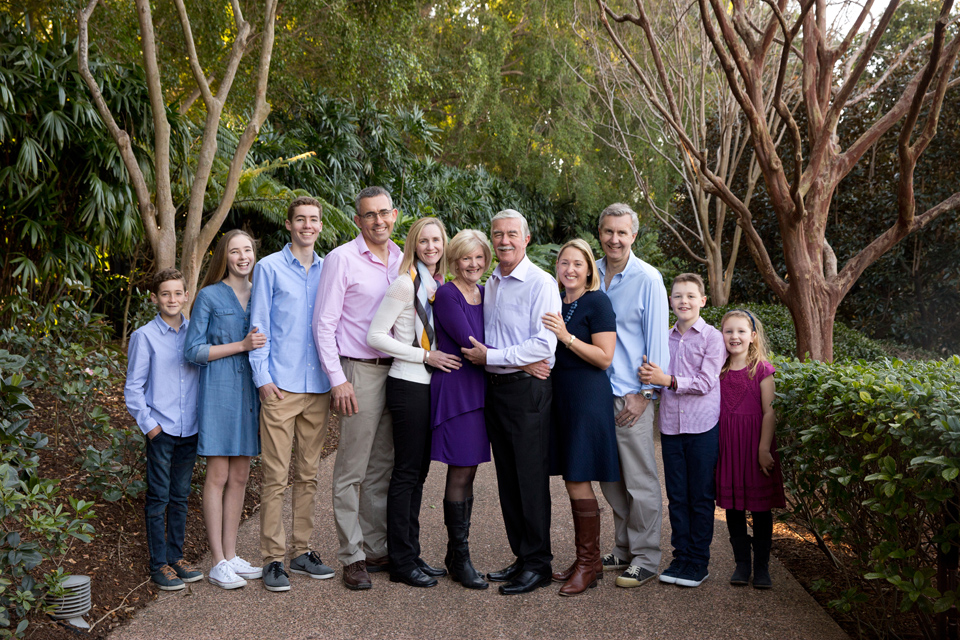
{"x": 459, "y": 432}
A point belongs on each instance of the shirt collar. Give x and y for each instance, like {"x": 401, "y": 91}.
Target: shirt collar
{"x": 164, "y": 327}
{"x": 697, "y": 326}
{"x": 292, "y": 259}
{"x": 519, "y": 272}
{"x": 363, "y": 248}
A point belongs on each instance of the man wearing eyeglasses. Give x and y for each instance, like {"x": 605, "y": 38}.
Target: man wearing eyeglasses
{"x": 354, "y": 279}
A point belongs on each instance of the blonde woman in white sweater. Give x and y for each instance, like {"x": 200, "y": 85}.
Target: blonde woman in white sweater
{"x": 403, "y": 328}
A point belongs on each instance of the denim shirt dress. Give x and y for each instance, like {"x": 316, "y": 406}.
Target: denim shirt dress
{"x": 228, "y": 403}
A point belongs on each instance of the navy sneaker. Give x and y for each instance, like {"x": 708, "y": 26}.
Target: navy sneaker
{"x": 310, "y": 564}
{"x": 186, "y": 571}
{"x": 672, "y": 572}
{"x": 692, "y": 575}
{"x": 166, "y": 579}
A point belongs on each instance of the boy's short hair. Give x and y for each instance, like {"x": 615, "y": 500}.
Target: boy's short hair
{"x": 303, "y": 201}
{"x": 690, "y": 277}
{"x": 164, "y": 275}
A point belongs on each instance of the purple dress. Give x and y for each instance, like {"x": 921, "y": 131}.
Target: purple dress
{"x": 456, "y": 398}
{"x": 741, "y": 485}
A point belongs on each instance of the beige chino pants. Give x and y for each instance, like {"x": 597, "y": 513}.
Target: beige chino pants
{"x": 303, "y": 415}
{"x": 636, "y": 500}
{"x": 361, "y": 473}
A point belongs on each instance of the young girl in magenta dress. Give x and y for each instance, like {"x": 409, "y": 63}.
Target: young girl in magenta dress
{"x": 748, "y": 470}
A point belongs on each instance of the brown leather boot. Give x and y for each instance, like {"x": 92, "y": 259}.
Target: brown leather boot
{"x": 563, "y": 576}
{"x": 587, "y": 515}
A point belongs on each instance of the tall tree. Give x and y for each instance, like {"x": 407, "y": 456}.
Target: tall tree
{"x": 157, "y": 206}
{"x": 801, "y": 182}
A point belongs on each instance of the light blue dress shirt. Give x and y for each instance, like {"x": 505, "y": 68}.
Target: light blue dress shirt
{"x": 640, "y": 302}
{"x": 161, "y": 387}
{"x": 512, "y": 310}
{"x": 281, "y": 307}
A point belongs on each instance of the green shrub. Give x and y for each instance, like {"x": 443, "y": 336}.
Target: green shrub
{"x": 34, "y": 526}
{"x": 871, "y": 458}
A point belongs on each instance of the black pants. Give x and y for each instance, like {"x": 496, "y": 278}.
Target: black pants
{"x": 518, "y": 424}
{"x": 409, "y": 404}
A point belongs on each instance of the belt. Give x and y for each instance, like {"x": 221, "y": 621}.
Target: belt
{"x": 378, "y": 361}
{"x": 497, "y": 379}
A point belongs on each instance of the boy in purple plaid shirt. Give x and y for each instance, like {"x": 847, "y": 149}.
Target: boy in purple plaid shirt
{"x": 689, "y": 429}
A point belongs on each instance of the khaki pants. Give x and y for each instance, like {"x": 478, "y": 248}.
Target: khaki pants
{"x": 303, "y": 415}
{"x": 636, "y": 500}
{"x": 361, "y": 473}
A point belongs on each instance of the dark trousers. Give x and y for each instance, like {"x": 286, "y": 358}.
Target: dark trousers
{"x": 518, "y": 424}
{"x": 409, "y": 404}
{"x": 170, "y": 462}
{"x": 689, "y": 467}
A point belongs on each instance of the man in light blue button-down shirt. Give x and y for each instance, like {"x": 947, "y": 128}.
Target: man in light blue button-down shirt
{"x": 640, "y": 301}
{"x": 294, "y": 394}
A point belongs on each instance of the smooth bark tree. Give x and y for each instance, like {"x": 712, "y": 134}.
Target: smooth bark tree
{"x": 802, "y": 180}
{"x": 162, "y": 225}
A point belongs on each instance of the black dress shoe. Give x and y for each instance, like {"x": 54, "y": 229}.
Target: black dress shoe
{"x": 526, "y": 582}
{"x": 433, "y": 572}
{"x": 414, "y": 578}
{"x": 506, "y": 574}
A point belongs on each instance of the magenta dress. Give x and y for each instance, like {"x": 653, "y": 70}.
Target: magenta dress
{"x": 741, "y": 485}
{"x": 457, "y": 397}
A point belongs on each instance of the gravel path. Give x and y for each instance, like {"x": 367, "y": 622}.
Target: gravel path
{"x": 325, "y": 609}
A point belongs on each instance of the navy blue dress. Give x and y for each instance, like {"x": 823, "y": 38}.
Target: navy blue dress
{"x": 228, "y": 410}
{"x": 584, "y": 443}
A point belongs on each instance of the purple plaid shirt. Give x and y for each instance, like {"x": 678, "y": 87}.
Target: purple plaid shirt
{"x": 696, "y": 358}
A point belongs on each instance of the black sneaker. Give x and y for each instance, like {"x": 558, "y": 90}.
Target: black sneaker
{"x": 275, "y": 578}
{"x": 635, "y": 576}
{"x": 166, "y": 579}
{"x": 613, "y": 563}
{"x": 673, "y": 572}
{"x": 310, "y": 564}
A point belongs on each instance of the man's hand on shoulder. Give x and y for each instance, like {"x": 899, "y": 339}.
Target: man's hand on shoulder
{"x": 268, "y": 390}
{"x": 634, "y": 405}
{"x": 344, "y": 399}
{"x": 477, "y": 354}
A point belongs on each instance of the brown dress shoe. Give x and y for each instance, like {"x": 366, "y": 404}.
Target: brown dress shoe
{"x": 355, "y": 576}
{"x": 376, "y": 565}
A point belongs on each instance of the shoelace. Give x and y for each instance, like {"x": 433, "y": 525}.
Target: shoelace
{"x": 314, "y": 557}
{"x": 169, "y": 573}
{"x": 277, "y": 570}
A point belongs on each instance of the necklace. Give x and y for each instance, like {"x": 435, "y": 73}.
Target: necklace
{"x": 472, "y": 296}
{"x": 569, "y": 314}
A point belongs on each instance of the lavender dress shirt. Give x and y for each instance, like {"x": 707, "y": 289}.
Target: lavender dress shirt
{"x": 696, "y": 358}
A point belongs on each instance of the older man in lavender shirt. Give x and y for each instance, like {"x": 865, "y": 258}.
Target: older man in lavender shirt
{"x": 518, "y": 294}
{"x": 354, "y": 279}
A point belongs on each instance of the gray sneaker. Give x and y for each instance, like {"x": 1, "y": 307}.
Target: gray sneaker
{"x": 310, "y": 564}
{"x": 275, "y": 578}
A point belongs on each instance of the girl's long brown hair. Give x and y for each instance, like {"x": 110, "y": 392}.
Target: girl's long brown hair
{"x": 757, "y": 351}
{"x": 217, "y": 267}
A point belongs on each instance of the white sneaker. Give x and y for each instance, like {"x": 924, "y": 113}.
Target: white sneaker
{"x": 244, "y": 569}
{"x": 225, "y": 577}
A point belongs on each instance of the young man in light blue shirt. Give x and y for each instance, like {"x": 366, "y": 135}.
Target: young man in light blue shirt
{"x": 294, "y": 394}
{"x": 161, "y": 395}
{"x": 640, "y": 301}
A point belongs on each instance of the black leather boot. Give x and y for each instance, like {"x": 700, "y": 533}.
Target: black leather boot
{"x": 761, "y": 564}
{"x": 741, "y": 553}
{"x": 456, "y": 516}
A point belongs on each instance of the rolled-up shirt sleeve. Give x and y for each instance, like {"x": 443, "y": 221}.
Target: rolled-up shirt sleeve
{"x": 326, "y": 316}
{"x": 196, "y": 349}
{"x": 134, "y": 390}
{"x": 261, "y": 301}
{"x": 656, "y": 325}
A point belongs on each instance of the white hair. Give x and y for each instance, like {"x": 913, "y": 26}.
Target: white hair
{"x": 508, "y": 214}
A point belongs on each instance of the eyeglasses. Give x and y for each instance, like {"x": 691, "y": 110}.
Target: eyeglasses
{"x": 370, "y": 216}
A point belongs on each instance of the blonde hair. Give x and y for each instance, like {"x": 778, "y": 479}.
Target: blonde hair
{"x": 217, "y": 268}
{"x": 413, "y": 237}
{"x": 757, "y": 352}
{"x": 465, "y": 242}
{"x": 593, "y": 273}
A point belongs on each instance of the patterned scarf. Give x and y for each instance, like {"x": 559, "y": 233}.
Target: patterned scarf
{"x": 424, "y": 290}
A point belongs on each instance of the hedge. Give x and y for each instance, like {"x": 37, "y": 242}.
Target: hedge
{"x": 871, "y": 458}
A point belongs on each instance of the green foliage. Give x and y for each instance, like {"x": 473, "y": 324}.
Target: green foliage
{"x": 871, "y": 457}
{"x": 34, "y": 525}
{"x": 69, "y": 356}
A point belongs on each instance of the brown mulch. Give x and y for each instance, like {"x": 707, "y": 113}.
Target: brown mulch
{"x": 117, "y": 559}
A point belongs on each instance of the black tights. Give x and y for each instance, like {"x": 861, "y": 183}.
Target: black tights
{"x": 459, "y": 483}
{"x": 762, "y": 524}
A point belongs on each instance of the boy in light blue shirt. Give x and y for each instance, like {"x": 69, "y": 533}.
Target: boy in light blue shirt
{"x": 161, "y": 395}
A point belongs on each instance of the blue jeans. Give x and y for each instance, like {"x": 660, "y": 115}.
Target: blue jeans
{"x": 689, "y": 468}
{"x": 170, "y": 462}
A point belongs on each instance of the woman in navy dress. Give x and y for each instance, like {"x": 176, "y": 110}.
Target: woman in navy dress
{"x": 584, "y": 433}
{"x": 218, "y": 339}
{"x": 459, "y": 432}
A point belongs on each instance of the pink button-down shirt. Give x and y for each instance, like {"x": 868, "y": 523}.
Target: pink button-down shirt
{"x": 696, "y": 358}
{"x": 352, "y": 285}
